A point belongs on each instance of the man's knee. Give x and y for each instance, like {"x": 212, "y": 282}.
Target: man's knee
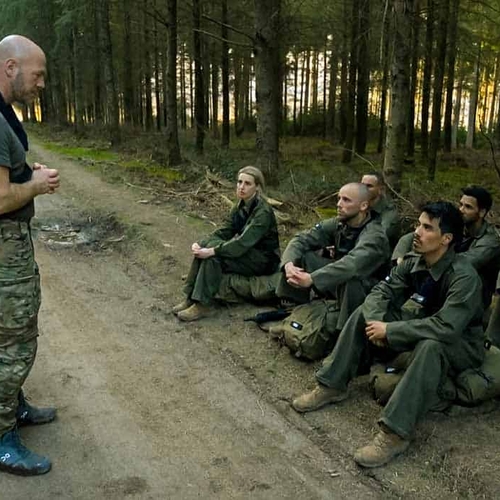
{"x": 426, "y": 349}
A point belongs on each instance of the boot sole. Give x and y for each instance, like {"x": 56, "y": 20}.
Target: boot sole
{"x": 338, "y": 399}
{"x": 189, "y": 320}
{"x": 22, "y": 423}
{"x": 379, "y": 464}
{"x": 23, "y": 472}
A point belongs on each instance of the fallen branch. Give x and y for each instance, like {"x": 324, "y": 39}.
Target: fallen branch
{"x": 229, "y": 202}
{"x": 215, "y": 179}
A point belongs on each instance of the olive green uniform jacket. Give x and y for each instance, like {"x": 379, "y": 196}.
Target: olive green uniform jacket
{"x": 389, "y": 219}
{"x": 247, "y": 244}
{"x": 442, "y": 331}
{"x": 482, "y": 250}
{"x": 360, "y": 260}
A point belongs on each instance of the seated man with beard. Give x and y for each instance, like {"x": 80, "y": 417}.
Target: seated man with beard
{"x": 340, "y": 258}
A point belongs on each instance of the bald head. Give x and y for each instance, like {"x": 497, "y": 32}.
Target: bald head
{"x": 353, "y": 203}
{"x": 22, "y": 69}
{"x": 358, "y": 190}
{"x": 18, "y": 47}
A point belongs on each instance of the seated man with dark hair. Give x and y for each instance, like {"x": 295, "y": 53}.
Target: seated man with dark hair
{"x": 480, "y": 242}
{"x": 383, "y": 206}
{"x": 443, "y": 333}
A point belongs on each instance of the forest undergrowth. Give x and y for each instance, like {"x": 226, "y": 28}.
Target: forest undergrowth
{"x": 310, "y": 175}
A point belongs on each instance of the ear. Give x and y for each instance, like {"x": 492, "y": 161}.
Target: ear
{"x": 447, "y": 238}
{"x": 364, "y": 206}
{"x": 10, "y": 67}
{"x": 482, "y": 213}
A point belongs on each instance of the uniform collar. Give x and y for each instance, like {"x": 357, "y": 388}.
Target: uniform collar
{"x": 381, "y": 205}
{"x": 436, "y": 270}
{"x": 482, "y": 231}
{"x": 368, "y": 218}
{"x": 249, "y": 205}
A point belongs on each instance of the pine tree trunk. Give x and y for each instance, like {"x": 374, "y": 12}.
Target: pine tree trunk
{"x": 353, "y": 69}
{"x": 77, "y": 82}
{"x": 450, "y": 83}
{"x": 295, "y": 84}
{"x": 158, "y": 79}
{"x": 493, "y": 105}
{"x": 410, "y": 148}
{"x": 199, "y": 106}
{"x": 245, "y": 86}
{"x": 191, "y": 92}
{"x": 437, "y": 95}
{"x": 226, "y": 126}
{"x": 324, "y": 109}
{"x": 163, "y": 112}
{"x": 215, "y": 94}
{"x": 183, "y": 89}
{"x": 344, "y": 72}
{"x": 238, "y": 77}
{"x": 127, "y": 78}
{"x": 301, "y": 102}
{"x": 314, "y": 81}
{"x": 307, "y": 90}
{"x": 456, "y": 114}
{"x": 473, "y": 99}
{"x": 363, "y": 78}
{"x": 332, "y": 95}
{"x": 385, "y": 79}
{"x": 172, "y": 131}
{"x": 148, "y": 122}
{"x": 98, "y": 118}
{"x": 426, "y": 85}
{"x": 400, "y": 91}
{"x": 484, "y": 107}
{"x": 107, "y": 60}
{"x": 268, "y": 84}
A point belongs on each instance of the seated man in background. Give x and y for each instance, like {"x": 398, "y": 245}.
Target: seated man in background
{"x": 480, "y": 242}
{"x": 355, "y": 252}
{"x": 383, "y": 206}
{"x": 443, "y": 332}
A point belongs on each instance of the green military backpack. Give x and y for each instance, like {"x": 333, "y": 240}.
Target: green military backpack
{"x": 309, "y": 331}
{"x": 476, "y": 385}
{"x": 471, "y": 387}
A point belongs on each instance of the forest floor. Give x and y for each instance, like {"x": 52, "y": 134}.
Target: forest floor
{"x": 151, "y": 408}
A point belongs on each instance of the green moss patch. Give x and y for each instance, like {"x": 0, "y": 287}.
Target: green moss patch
{"x": 79, "y": 152}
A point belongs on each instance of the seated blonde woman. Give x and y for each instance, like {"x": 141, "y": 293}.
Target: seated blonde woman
{"x": 247, "y": 244}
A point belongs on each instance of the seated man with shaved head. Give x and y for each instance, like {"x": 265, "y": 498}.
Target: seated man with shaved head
{"x": 22, "y": 76}
{"x": 382, "y": 205}
{"x": 355, "y": 251}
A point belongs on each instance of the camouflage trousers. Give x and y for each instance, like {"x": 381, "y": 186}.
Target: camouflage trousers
{"x": 19, "y": 304}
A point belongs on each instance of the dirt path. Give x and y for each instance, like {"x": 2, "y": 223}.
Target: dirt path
{"x": 147, "y": 409}
{"x": 151, "y": 408}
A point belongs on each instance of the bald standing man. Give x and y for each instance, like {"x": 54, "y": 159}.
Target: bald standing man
{"x": 339, "y": 258}
{"x": 22, "y": 76}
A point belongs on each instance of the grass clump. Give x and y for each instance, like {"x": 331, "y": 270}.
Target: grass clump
{"x": 168, "y": 175}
